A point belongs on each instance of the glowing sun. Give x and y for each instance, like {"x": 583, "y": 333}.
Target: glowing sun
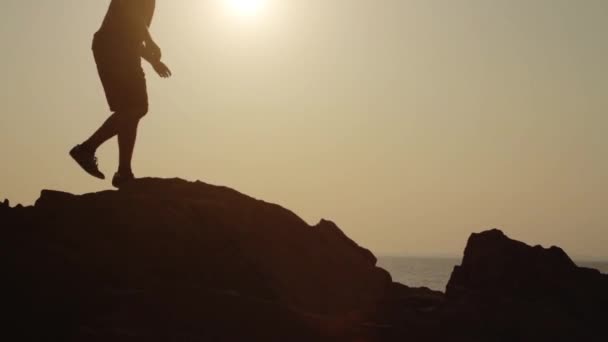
{"x": 247, "y": 7}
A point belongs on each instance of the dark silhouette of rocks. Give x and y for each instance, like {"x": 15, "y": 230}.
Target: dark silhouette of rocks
{"x": 496, "y": 267}
{"x": 170, "y": 260}
{"x": 524, "y": 293}
{"x": 158, "y": 240}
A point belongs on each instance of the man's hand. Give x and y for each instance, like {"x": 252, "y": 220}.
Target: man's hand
{"x": 151, "y": 53}
{"x": 161, "y": 69}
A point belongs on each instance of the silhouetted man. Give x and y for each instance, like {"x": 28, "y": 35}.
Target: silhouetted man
{"x": 118, "y": 47}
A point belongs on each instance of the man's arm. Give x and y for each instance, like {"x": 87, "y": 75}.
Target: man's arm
{"x": 147, "y": 13}
{"x": 143, "y": 12}
{"x": 148, "y": 56}
{"x": 151, "y": 53}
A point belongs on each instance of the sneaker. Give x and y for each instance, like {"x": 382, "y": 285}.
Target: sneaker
{"x": 87, "y": 161}
{"x": 121, "y": 179}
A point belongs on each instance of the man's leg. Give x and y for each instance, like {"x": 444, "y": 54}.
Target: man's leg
{"x": 127, "y": 135}
{"x": 84, "y": 154}
{"x": 125, "y": 126}
{"x": 107, "y": 131}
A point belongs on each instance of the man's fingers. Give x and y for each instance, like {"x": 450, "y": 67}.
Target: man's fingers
{"x": 162, "y": 70}
{"x": 166, "y": 72}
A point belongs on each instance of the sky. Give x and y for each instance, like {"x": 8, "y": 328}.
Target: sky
{"x": 410, "y": 123}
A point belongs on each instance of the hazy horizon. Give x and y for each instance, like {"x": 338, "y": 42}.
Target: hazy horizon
{"x": 576, "y": 258}
{"x": 411, "y": 124}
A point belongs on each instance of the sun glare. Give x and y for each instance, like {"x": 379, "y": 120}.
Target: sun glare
{"x": 247, "y": 7}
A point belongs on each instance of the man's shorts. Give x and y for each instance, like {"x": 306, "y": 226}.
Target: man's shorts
{"x": 122, "y": 77}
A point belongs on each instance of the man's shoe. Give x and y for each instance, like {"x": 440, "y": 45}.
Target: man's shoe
{"x": 87, "y": 161}
{"x": 121, "y": 179}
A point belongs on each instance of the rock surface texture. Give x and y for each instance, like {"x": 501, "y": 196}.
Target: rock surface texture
{"x": 171, "y": 260}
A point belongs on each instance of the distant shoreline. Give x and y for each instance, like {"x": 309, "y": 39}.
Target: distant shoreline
{"x": 586, "y": 260}
{"x": 434, "y": 272}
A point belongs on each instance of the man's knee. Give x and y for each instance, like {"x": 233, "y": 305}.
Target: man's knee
{"x": 141, "y": 111}
{"x": 136, "y": 112}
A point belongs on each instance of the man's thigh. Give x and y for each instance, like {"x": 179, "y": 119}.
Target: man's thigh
{"x": 124, "y": 83}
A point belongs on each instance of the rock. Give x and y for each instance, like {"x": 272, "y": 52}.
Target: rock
{"x": 50, "y": 198}
{"x": 330, "y": 229}
{"x": 171, "y": 260}
{"x": 527, "y": 293}
{"x": 495, "y": 266}
{"x": 175, "y": 245}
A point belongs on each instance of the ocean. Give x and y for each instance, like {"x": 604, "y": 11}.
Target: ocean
{"x": 434, "y": 273}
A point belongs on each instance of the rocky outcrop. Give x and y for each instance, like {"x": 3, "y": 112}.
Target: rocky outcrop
{"x": 495, "y": 266}
{"x": 171, "y": 260}
{"x": 160, "y": 242}
{"x": 527, "y": 293}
